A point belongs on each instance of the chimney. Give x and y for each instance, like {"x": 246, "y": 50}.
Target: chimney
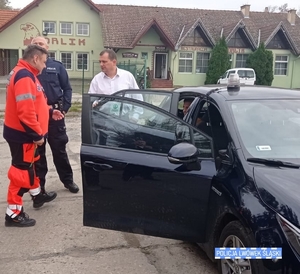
{"x": 291, "y": 16}
{"x": 245, "y": 9}
{"x": 266, "y": 9}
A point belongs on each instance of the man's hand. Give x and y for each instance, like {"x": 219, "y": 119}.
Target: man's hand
{"x": 57, "y": 115}
{"x": 40, "y": 142}
{"x": 95, "y": 103}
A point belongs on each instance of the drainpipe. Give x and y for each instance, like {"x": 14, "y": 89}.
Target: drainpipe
{"x": 221, "y": 35}
{"x": 173, "y": 64}
{"x": 258, "y": 40}
{"x": 292, "y": 78}
{"x": 145, "y": 74}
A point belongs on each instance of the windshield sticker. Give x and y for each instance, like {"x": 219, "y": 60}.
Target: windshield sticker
{"x": 263, "y": 148}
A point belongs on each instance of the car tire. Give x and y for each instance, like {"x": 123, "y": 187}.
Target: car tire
{"x": 236, "y": 235}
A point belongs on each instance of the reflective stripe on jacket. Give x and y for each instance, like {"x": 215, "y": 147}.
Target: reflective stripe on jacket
{"x": 26, "y": 111}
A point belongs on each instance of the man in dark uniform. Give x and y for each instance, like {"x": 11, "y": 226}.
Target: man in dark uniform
{"x": 55, "y": 81}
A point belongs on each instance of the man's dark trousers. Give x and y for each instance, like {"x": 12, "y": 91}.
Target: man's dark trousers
{"x": 57, "y": 139}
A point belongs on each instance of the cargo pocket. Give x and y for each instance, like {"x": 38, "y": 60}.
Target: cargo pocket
{"x": 19, "y": 177}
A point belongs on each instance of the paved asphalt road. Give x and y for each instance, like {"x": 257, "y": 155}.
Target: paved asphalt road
{"x": 60, "y": 244}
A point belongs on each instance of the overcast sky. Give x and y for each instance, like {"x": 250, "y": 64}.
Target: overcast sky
{"x": 256, "y": 5}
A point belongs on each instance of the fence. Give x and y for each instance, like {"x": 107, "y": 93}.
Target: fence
{"x": 138, "y": 69}
{"x": 7, "y": 64}
{"x": 77, "y": 69}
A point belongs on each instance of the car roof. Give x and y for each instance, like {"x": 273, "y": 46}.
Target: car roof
{"x": 245, "y": 92}
{"x": 241, "y": 69}
{"x": 200, "y": 89}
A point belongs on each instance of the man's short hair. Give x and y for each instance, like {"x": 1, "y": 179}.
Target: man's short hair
{"x": 32, "y": 50}
{"x": 188, "y": 100}
{"x": 111, "y": 54}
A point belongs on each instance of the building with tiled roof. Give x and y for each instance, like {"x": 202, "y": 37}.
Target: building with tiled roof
{"x": 6, "y": 15}
{"x": 175, "y": 44}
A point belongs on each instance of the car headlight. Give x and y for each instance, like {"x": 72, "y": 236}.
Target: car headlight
{"x": 291, "y": 231}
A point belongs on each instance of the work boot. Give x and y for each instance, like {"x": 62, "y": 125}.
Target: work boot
{"x": 72, "y": 187}
{"x": 22, "y": 220}
{"x": 52, "y": 194}
{"x": 42, "y": 198}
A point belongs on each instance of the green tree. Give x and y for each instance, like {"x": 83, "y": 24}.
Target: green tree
{"x": 262, "y": 62}
{"x": 283, "y": 8}
{"x": 218, "y": 63}
{"x": 4, "y": 4}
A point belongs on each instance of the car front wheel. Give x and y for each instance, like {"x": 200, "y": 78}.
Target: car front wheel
{"x": 235, "y": 235}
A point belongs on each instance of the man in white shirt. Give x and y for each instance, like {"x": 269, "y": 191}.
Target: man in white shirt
{"x": 112, "y": 79}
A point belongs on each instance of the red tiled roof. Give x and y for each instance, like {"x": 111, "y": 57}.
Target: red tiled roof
{"x": 22, "y": 12}
{"x": 6, "y": 15}
{"x": 124, "y": 25}
{"x": 29, "y": 7}
{"x": 121, "y": 24}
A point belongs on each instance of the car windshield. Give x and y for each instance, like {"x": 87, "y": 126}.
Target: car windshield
{"x": 269, "y": 129}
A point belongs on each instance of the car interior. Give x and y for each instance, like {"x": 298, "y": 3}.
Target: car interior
{"x": 214, "y": 126}
{"x": 180, "y": 105}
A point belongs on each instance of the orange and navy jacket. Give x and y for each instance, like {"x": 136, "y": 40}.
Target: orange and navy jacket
{"x": 26, "y": 112}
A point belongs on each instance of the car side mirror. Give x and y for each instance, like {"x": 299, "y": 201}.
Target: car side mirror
{"x": 183, "y": 153}
{"x": 186, "y": 155}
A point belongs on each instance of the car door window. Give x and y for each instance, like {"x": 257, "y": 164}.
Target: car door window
{"x": 242, "y": 73}
{"x": 203, "y": 144}
{"x": 249, "y": 74}
{"x": 209, "y": 123}
{"x": 118, "y": 122}
{"x": 230, "y": 72}
{"x": 156, "y": 98}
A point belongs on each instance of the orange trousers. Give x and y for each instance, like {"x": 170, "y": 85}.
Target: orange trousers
{"x": 22, "y": 176}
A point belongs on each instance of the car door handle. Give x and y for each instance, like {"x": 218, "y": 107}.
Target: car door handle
{"x": 97, "y": 166}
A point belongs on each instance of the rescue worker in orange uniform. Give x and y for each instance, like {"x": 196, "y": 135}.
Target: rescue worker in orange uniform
{"x": 25, "y": 126}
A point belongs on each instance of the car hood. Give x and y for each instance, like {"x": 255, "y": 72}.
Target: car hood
{"x": 279, "y": 188}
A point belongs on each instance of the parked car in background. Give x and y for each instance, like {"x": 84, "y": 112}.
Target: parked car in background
{"x": 247, "y": 76}
{"x": 226, "y": 175}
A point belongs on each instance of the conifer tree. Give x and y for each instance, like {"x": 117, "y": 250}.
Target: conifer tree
{"x": 262, "y": 62}
{"x": 218, "y": 63}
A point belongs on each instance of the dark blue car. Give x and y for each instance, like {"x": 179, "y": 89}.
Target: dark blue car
{"x": 226, "y": 175}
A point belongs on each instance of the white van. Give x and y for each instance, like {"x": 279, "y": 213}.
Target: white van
{"x": 247, "y": 76}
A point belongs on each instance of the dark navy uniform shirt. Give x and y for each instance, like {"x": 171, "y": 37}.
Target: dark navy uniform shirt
{"x": 55, "y": 81}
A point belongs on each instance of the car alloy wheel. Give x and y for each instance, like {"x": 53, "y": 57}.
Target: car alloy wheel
{"x": 237, "y": 266}
{"x": 236, "y": 235}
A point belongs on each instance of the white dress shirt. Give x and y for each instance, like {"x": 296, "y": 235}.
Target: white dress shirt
{"x": 102, "y": 84}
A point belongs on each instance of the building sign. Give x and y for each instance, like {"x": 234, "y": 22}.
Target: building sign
{"x": 191, "y": 48}
{"x": 236, "y": 50}
{"x": 130, "y": 55}
{"x": 66, "y": 41}
{"x": 31, "y": 31}
{"x": 160, "y": 48}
